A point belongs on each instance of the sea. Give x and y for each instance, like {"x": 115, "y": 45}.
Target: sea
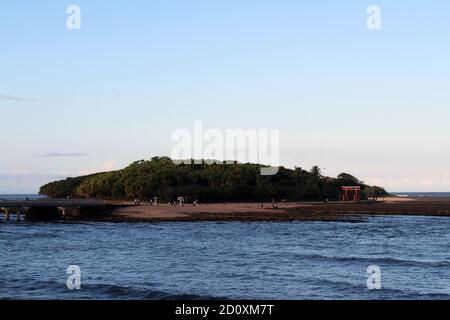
{"x": 423, "y": 194}
{"x": 232, "y": 260}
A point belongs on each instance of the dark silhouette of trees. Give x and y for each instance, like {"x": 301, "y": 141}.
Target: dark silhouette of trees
{"x": 217, "y": 182}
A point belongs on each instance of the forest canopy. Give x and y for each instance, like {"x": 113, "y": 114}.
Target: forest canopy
{"x": 218, "y": 182}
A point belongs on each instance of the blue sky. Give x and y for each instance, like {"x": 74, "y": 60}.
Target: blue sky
{"x": 373, "y": 103}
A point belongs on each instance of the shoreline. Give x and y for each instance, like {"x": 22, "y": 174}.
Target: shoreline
{"x": 294, "y": 211}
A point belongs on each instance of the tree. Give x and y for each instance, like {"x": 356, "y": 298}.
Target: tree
{"x": 316, "y": 171}
{"x": 161, "y": 177}
{"x": 349, "y": 179}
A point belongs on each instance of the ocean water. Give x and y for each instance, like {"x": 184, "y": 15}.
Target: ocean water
{"x": 295, "y": 260}
{"x": 423, "y": 194}
{"x": 20, "y": 197}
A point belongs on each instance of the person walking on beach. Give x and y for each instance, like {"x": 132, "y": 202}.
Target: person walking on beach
{"x": 274, "y": 204}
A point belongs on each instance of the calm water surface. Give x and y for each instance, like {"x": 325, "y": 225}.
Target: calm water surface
{"x": 297, "y": 260}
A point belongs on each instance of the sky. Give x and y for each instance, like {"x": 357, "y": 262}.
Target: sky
{"x": 374, "y": 103}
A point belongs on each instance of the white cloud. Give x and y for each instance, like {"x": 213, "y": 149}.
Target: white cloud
{"x": 431, "y": 181}
{"x": 65, "y": 154}
{"x": 24, "y": 183}
{"x": 109, "y": 165}
{"x": 13, "y": 98}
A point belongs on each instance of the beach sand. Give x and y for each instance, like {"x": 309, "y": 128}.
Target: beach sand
{"x": 294, "y": 211}
{"x": 215, "y": 211}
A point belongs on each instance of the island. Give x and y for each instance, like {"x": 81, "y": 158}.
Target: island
{"x": 150, "y": 190}
{"x": 207, "y": 182}
{"x": 159, "y": 190}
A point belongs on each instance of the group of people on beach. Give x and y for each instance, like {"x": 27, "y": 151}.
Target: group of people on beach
{"x": 179, "y": 202}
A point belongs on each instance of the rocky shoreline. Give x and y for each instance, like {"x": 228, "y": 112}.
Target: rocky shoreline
{"x": 299, "y": 211}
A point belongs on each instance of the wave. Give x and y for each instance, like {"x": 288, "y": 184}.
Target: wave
{"x": 329, "y": 289}
{"x": 338, "y": 289}
{"x": 29, "y": 289}
{"x": 375, "y": 260}
{"x": 123, "y": 292}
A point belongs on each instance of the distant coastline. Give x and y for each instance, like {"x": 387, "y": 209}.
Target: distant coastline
{"x": 20, "y": 196}
{"x": 126, "y": 211}
{"x": 294, "y": 211}
{"x": 422, "y": 194}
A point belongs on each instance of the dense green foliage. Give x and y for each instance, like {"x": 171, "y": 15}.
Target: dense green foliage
{"x": 207, "y": 182}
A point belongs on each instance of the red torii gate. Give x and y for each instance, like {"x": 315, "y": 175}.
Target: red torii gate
{"x": 352, "y": 193}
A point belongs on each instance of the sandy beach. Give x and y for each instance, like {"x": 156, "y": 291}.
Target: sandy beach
{"x": 295, "y": 211}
